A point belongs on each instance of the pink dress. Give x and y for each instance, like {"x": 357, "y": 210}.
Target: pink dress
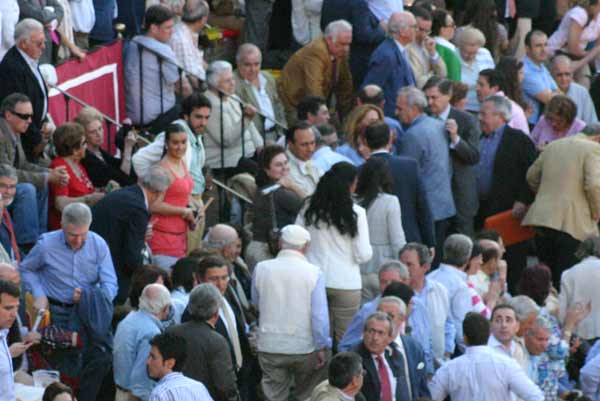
{"x": 170, "y": 232}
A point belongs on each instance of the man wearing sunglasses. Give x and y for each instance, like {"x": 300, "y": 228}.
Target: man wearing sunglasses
{"x": 32, "y": 191}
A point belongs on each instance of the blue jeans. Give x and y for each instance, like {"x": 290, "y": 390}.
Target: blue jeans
{"x": 28, "y": 226}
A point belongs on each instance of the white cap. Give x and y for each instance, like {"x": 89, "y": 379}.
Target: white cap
{"x": 295, "y": 235}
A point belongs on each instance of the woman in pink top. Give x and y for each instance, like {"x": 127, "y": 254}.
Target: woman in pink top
{"x": 559, "y": 120}
{"x": 172, "y": 216}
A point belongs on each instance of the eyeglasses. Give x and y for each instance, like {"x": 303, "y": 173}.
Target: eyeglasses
{"x": 425, "y": 31}
{"x": 21, "y": 115}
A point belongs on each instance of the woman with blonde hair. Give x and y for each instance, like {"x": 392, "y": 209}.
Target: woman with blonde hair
{"x": 359, "y": 118}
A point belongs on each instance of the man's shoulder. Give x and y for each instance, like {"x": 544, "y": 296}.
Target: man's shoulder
{"x": 11, "y": 58}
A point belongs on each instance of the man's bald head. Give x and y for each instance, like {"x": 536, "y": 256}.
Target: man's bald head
{"x": 370, "y": 94}
{"x": 226, "y": 239}
{"x": 402, "y": 27}
{"x": 10, "y": 273}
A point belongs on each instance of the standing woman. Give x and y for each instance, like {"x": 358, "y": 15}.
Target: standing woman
{"x": 287, "y": 201}
{"x": 172, "y": 216}
{"x": 339, "y": 242}
{"x": 374, "y": 192}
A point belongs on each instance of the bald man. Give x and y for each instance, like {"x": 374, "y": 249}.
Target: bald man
{"x": 389, "y": 67}
{"x": 561, "y": 69}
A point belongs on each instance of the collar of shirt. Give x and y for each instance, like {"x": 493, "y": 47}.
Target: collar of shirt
{"x": 445, "y": 42}
{"x": 477, "y": 349}
{"x": 30, "y": 61}
{"x": 3, "y": 334}
{"x": 494, "y": 343}
{"x": 529, "y": 63}
{"x": 402, "y": 48}
{"x": 380, "y": 151}
{"x": 169, "y": 376}
{"x": 300, "y": 163}
{"x": 344, "y": 396}
{"x": 453, "y": 270}
{"x": 290, "y": 253}
{"x": 444, "y": 114}
{"x": 262, "y": 83}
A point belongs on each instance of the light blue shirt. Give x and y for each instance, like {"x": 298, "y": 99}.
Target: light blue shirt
{"x": 7, "y": 383}
{"x": 455, "y": 282}
{"x": 590, "y": 377}
{"x": 197, "y": 162}
{"x": 350, "y": 153}
{"x": 177, "y": 387}
{"x": 319, "y": 312}
{"x": 54, "y": 269}
{"x": 488, "y": 145}
{"x": 179, "y": 301}
{"x": 131, "y": 350}
{"x": 536, "y": 80}
{"x": 325, "y": 158}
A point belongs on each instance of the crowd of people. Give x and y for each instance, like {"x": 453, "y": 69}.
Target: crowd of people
{"x": 325, "y": 231}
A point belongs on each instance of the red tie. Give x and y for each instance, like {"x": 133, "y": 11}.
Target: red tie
{"x": 13, "y": 239}
{"x": 384, "y": 379}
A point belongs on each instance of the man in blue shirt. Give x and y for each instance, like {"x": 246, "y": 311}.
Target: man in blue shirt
{"x": 61, "y": 266}
{"x": 538, "y": 85}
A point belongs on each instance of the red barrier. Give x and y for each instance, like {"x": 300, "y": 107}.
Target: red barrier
{"x": 98, "y": 81}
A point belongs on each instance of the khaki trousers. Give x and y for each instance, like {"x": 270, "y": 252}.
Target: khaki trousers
{"x": 343, "y": 305}
{"x": 281, "y": 371}
{"x": 194, "y": 238}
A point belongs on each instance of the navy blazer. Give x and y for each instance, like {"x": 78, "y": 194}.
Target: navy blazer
{"x": 367, "y": 34}
{"x": 415, "y": 359}
{"x": 417, "y": 220}
{"x": 391, "y": 71}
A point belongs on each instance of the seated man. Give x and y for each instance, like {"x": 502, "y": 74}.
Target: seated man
{"x": 259, "y": 89}
{"x": 159, "y": 73}
{"x": 32, "y": 191}
{"x": 122, "y": 217}
{"x": 562, "y": 72}
{"x": 345, "y": 376}
{"x": 320, "y": 69}
{"x": 132, "y": 347}
{"x": 64, "y": 267}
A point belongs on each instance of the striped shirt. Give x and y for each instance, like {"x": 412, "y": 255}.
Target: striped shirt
{"x": 176, "y": 387}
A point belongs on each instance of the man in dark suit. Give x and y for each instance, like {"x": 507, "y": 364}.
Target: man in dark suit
{"x": 382, "y": 360}
{"x": 46, "y": 12}
{"x": 417, "y": 220}
{"x": 20, "y": 73}
{"x": 121, "y": 218}
{"x": 208, "y": 357}
{"x": 463, "y": 134}
{"x": 367, "y": 32}
{"x": 389, "y": 67}
{"x": 506, "y": 154}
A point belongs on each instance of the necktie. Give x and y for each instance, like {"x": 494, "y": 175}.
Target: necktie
{"x": 233, "y": 336}
{"x": 11, "y": 231}
{"x": 384, "y": 380}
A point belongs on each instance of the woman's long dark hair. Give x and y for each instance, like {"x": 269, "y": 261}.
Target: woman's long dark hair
{"x": 374, "y": 178}
{"x": 332, "y": 201}
{"x": 509, "y": 67}
{"x": 481, "y": 14}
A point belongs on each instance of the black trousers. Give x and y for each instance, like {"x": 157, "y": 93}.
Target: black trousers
{"x": 557, "y": 250}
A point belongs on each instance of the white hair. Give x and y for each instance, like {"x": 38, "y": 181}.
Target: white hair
{"x": 155, "y": 297}
{"x": 24, "y": 28}
{"x": 524, "y": 306}
{"x": 243, "y": 50}
{"x": 77, "y": 214}
{"x": 502, "y": 106}
{"x": 215, "y": 69}
{"x": 394, "y": 301}
{"x": 334, "y": 28}
{"x": 414, "y": 97}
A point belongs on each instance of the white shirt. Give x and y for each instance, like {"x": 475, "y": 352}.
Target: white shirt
{"x": 84, "y": 16}
{"x": 306, "y": 20}
{"x": 264, "y": 101}
{"x": 578, "y": 15}
{"x": 9, "y": 16}
{"x": 482, "y": 374}
{"x": 304, "y": 173}
{"x": 515, "y": 352}
{"x": 383, "y": 9}
{"x": 184, "y": 43}
{"x": 585, "y": 106}
{"x": 7, "y": 385}
{"x": 176, "y": 387}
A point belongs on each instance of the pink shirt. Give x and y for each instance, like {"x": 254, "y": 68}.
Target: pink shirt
{"x": 543, "y": 133}
{"x": 518, "y": 120}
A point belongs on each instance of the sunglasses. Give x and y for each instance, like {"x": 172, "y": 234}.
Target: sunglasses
{"x": 21, "y": 115}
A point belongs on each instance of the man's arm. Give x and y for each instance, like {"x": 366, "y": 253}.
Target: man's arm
{"x": 31, "y": 266}
{"x": 424, "y": 217}
{"x": 591, "y": 181}
{"x": 106, "y": 269}
{"x": 527, "y": 158}
{"x": 534, "y": 174}
{"x": 320, "y": 315}
{"x": 220, "y": 368}
{"x": 135, "y": 232}
{"x": 380, "y": 67}
{"x": 141, "y": 384}
{"x": 521, "y": 385}
{"x": 467, "y": 148}
{"x": 147, "y": 156}
{"x": 589, "y": 378}
{"x": 440, "y": 384}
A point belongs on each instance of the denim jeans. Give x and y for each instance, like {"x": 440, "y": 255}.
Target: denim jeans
{"x": 28, "y": 226}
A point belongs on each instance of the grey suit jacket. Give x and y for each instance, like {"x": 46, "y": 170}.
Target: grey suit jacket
{"x": 26, "y": 171}
{"x": 465, "y": 157}
{"x": 208, "y": 359}
{"x": 245, "y": 92}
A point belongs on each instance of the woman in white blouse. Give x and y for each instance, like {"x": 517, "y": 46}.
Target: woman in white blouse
{"x": 374, "y": 192}
{"x": 339, "y": 242}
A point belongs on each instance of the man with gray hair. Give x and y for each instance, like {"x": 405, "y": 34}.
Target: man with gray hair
{"x": 505, "y": 156}
{"x": 131, "y": 347}
{"x": 293, "y": 338}
{"x": 184, "y": 40}
{"x": 426, "y": 141}
{"x": 208, "y": 355}
{"x": 20, "y": 74}
{"x": 122, "y": 219}
{"x": 259, "y": 89}
{"x": 451, "y": 274}
{"x": 389, "y": 67}
{"x": 8, "y": 190}
{"x": 319, "y": 69}
{"x": 561, "y": 68}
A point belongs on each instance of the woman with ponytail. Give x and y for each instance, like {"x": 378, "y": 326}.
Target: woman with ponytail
{"x": 339, "y": 242}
